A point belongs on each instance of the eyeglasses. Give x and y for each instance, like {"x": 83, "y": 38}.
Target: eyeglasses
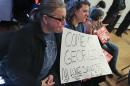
{"x": 59, "y": 19}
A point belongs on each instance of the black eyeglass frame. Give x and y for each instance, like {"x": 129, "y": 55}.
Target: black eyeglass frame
{"x": 59, "y": 19}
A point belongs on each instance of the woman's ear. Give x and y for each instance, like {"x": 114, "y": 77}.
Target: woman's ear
{"x": 76, "y": 12}
{"x": 45, "y": 19}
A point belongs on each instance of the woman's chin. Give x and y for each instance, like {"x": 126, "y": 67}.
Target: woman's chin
{"x": 60, "y": 30}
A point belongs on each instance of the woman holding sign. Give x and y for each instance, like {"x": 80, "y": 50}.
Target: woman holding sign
{"x": 77, "y": 14}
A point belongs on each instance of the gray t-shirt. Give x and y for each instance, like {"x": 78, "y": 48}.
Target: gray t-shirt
{"x": 50, "y": 54}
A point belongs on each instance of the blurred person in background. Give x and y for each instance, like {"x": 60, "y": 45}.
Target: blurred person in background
{"x": 96, "y": 19}
{"x": 124, "y": 25}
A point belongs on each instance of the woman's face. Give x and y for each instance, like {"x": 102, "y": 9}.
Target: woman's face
{"x": 55, "y": 21}
{"x": 82, "y": 13}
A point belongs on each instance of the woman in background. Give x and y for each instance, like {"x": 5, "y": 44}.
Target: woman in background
{"x": 96, "y": 19}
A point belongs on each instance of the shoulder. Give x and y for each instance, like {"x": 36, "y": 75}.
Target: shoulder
{"x": 29, "y": 29}
{"x": 68, "y": 26}
{"x": 24, "y": 36}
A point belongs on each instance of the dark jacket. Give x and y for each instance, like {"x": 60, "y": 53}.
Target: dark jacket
{"x": 25, "y": 57}
{"x": 5, "y": 40}
{"x": 79, "y": 28}
{"x": 129, "y": 78}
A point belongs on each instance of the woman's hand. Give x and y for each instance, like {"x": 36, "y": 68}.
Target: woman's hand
{"x": 48, "y": 81}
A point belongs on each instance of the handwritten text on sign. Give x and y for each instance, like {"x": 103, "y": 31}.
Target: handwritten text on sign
{"x": 81, "y": 57}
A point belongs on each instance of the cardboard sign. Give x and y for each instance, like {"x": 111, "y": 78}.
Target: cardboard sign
{"x": 81, "y": 57}
{"x": 103, "y": 34}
